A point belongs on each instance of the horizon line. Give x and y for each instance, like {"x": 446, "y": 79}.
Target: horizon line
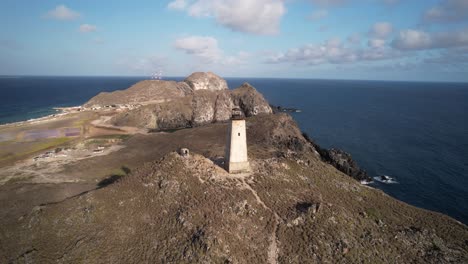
{"x": 5, "y": 76}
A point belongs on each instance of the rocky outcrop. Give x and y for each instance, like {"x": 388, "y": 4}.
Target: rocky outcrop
{"x": 223, "y": 106}
{"x": 281, "y": 132}
{"x": 197, "y": 108}
{"x": 345, "y": 163}
{"x": 340, "y": 160}
{"x": 203, "y": 107}
{"x": 250, "y": 101}
{"x": 206, "y": 81}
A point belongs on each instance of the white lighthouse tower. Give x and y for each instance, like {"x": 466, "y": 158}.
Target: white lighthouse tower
{"x": 236, "y": 160}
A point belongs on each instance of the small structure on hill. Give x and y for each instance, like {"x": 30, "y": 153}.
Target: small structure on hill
{"x": 236, "y": 159}
{"x": 184, "y": 152}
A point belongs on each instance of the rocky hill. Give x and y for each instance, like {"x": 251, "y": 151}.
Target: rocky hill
{"x": 142, "y": 92}
{"x": 206, "y": 81}
{"x": 199, "y": 107}
{"x": 292, "y": 208}
{"x": 157, "y": 91}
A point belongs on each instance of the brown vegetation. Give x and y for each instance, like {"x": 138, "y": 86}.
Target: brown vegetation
{"x": 293, "y": 208}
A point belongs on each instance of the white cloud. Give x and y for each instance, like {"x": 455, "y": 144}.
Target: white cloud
{"x": 85, "y": 28}
{"x": 240, "y": 58}
{"x": 454, "y": 56}
{"x": 419, "y": 40}
{"x": 376, "y": 43}
{"x": 207, "y": 50}
{"x": 333, "y": 52}
{"x": 381, "y": 30}
{"x": 61, "y": 12}
{"x": 257, "y": 17}
{"x": 412, "y": 39}
{"x": 177, "y": 5}
{"x": 447, "y": 11}
{"x": 318, "y": 14}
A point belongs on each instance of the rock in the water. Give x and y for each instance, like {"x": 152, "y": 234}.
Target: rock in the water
{"x": 206, "y": 81}
{"x": 340, "y": 160}
{"x": 345, "y": 163}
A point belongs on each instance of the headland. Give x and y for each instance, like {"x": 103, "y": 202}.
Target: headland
{"x": 102, "y": 181}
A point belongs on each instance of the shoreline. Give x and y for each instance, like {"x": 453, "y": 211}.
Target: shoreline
{"x": 60, "y": 111}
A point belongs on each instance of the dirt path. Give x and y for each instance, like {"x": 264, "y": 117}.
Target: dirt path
{"x": 273, "y": 248}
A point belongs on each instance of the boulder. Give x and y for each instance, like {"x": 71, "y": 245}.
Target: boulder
{"x": 250, "y": 101}
{"x": 206, "y": 81}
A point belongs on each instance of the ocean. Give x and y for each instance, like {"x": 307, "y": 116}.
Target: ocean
{"x": 414, "y": 132}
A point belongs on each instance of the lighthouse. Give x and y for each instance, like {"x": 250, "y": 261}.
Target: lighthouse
{"x": 236, "y": 160}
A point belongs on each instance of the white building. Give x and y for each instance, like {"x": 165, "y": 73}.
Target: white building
{"x": 236, "y": 159}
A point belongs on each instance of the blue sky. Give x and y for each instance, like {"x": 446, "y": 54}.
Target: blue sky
{"x": 333, "y": 39}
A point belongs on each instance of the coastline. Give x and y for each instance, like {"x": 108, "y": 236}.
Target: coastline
{"x": 60, "y": 112}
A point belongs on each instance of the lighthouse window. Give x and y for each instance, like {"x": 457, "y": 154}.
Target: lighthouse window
{"x": 238, "y": 134}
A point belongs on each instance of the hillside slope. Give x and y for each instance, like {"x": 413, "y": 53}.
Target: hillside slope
{"x": 293, "y": 208}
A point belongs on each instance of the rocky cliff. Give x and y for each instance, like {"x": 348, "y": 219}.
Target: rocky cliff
{"x": 197, "y": 108}
{"x": 341, "y": 160}
{"x": 292, "y": 208}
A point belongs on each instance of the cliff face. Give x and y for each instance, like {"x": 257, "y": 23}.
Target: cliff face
{"x": 292, "y": 208}
{"x": 199, "y": 107}
{"x": 340, "y": 160}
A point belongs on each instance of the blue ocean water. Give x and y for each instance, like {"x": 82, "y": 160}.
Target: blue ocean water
{"x": 23, "y": 98}
{"x": 414, "y": 132}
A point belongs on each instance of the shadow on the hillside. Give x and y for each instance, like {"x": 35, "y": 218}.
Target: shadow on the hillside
{"x": 113, "y": 178}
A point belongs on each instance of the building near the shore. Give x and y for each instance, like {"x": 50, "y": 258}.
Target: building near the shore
{"x": 236, "y": 159}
